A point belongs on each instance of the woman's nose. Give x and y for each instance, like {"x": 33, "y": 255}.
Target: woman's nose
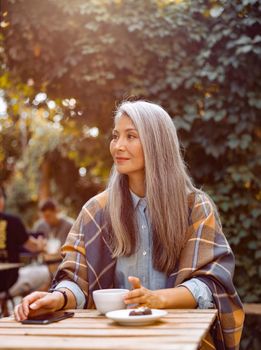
{"x": 120, "y": 144}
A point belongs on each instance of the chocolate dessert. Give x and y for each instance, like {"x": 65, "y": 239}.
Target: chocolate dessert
{"x": 141, "y": 311}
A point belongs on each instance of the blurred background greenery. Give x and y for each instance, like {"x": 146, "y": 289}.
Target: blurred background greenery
{"x": 66, "y": 64}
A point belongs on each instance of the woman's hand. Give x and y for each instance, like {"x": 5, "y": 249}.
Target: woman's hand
{"x": 143, "y": 296}
{"x": 169, "y": 298}
{"x": 38, "y": 303}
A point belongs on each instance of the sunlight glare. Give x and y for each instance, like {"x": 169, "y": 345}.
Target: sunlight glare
{"x": 82, "y": 171}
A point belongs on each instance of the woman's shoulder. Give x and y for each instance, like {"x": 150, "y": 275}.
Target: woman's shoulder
{"x": 200, "y": 200}
{"x": 97, "y": 202}
{"x": 93, "y": 209}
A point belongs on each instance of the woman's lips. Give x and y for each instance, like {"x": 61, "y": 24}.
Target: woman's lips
{"x": 121, "y": 159}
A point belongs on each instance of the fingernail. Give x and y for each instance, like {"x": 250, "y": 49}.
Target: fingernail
{"x": 33, "y": 306}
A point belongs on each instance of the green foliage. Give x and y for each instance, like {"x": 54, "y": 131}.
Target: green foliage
{"x": 199, "y": 59}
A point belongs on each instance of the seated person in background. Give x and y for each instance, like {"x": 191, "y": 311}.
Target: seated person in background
{"x": 53, "y": 225}
{"x": 13, "y": 236}
{"x": 55, "y": 229}
{"x": 152, "y": 229}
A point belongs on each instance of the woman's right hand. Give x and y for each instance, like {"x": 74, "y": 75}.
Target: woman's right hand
{"x": 38, "y": 303}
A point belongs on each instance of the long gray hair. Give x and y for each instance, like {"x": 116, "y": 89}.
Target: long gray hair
{"x": 167, "y": 186}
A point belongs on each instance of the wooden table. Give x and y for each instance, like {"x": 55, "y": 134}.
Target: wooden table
{"x": 252, "y": 309}
{"x": 52, "y": 261}
{"x": 9, "y": 266}
{"x": 179, "y": 330}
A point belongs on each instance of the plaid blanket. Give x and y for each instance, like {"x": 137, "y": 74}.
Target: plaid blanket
{"x": 207, "y": 256}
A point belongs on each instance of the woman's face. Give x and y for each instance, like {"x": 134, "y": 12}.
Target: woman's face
{"x": 126, "y": 148}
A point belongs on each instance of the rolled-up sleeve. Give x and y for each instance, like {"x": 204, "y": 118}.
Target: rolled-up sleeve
{"x": 201, "y": 293}
{"x": 76, "y": 290}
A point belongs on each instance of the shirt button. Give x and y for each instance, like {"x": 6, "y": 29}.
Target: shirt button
{"x": 144, "y": 253}
{"x": 143, "y": 227}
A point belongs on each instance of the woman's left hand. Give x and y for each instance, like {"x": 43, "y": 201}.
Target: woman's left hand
{"x": 143, "y": 296}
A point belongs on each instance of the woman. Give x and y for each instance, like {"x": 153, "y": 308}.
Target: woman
{"x": 151, "y": 229}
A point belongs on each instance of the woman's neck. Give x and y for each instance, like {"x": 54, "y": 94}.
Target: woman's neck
{"x": 137, "y": 185}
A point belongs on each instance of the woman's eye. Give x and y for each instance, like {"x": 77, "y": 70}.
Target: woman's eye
{"x": 114, "y": 137}
{"x": 131, "y": 137}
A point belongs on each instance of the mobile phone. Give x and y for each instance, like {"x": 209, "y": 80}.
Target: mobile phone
{"x": 48, "y": 318}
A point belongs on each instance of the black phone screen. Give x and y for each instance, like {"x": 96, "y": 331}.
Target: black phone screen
{"x": 48, "y": 318}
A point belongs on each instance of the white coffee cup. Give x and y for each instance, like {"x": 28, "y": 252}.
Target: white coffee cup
{"x": 109, "y": 299}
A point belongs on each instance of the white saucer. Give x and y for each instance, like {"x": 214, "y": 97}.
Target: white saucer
{"x": 122, "y": 317}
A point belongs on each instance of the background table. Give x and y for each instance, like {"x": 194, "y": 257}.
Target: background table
{"x": 52, "y": 261}
{"x": 9, "y": 266}
{"x": 179, "y": 330}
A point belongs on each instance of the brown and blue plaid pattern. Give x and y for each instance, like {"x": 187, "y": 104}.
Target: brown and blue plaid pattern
{"x": 206, "y": 255}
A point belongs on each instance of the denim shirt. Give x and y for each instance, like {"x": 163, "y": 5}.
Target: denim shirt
{"x": 140, "y": 264}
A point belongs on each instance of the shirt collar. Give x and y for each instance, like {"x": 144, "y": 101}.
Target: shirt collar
{"x": 138, "y": 201}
